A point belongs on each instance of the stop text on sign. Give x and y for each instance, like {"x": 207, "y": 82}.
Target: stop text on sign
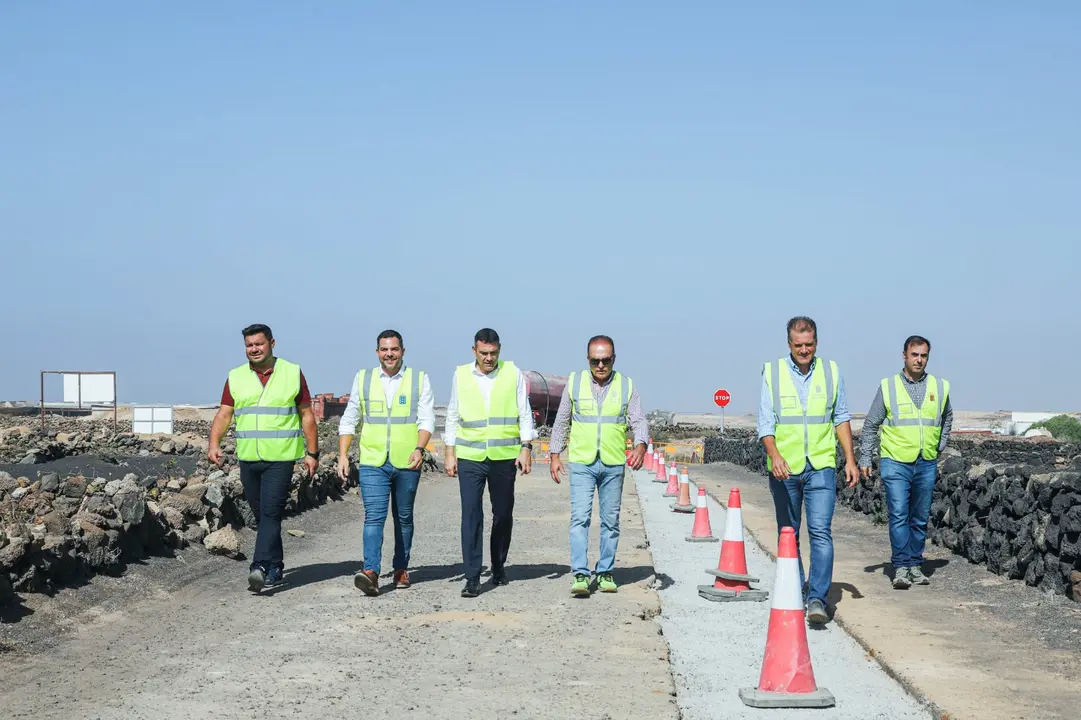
{"x": 722, "y": 397}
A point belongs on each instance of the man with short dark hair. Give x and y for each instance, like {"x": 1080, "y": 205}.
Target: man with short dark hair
{"x": 591, "y": 424}
{"x": 802, "y": 413}
{"x": 488, "y": 438}
{"x": 398, "y": 412}
{"x": 270, "y": 399}
{"x": 912, "y": 409}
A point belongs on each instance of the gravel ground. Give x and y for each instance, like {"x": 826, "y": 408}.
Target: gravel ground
{"x": 717, "y": 648}
{"x": 188, "y": 640}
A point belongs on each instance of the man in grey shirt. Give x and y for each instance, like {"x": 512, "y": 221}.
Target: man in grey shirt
{"x": 912, "y": 410}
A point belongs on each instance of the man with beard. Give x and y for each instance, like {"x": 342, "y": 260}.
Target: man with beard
{"x": 398, "y": 411}
{"x": 270, "y": 399}
{"x": 912, "y": 408}
{"x": 488, "y": 440}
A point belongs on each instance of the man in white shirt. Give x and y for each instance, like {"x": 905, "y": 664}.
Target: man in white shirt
{"x": 398, "y": 409}
{"x": 488, "y": 438}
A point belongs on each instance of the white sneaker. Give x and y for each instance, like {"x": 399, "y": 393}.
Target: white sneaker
{"x": 901, "y": 579}
{"x": 915, "y": 574}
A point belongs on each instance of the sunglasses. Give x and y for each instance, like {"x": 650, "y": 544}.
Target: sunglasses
{"x": 595, "y": 362}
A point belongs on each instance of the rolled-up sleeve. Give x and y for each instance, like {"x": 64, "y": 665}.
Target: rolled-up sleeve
{"x": 351, "y": 416}
{"x": 450, "y": 430}
{"x": 426, "y": 407}
{"x": 766, "y": 421}
{"x": 637, "y": 419}
{"x": 562, "y": 424}
{"x": 840, "y": 410}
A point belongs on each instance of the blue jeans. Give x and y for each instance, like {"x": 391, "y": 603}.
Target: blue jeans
{"x": 377, "y": 485}
{"x": 819, "y": 489}
{"x": 608, "y": 482}
{"x": 909, "y": 487}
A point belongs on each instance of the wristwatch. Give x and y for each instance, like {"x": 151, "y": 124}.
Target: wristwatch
{"x": 528, "y": 445}
{"x": 420, "y": 448}
{"x": 314, "y": 454}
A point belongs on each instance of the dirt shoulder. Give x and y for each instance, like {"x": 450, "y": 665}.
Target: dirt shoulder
{"x": 973, "y": 644}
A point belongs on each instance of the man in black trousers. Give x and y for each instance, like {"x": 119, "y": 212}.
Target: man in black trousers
{"x": 488, "y": 438}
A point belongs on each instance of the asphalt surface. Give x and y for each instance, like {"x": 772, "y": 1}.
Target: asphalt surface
{"x": 718, "y": 648}
{"x": 185, "y": 639}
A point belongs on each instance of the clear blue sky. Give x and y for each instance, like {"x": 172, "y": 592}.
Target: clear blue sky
{"x": 682, "y": 176}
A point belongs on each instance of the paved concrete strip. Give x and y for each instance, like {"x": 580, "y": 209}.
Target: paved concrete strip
{"x": 717, "y": 648}
{"x": 969, "y": 643}
{"x": 316, "y": 647}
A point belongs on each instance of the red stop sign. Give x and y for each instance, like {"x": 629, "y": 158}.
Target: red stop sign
{"x": 722, "y": 398}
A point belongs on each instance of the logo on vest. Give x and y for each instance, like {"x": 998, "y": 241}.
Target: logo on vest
{"x": 818, "y": 388}
{"x": 401, "y": 399}
{"x": 932, "y": 397}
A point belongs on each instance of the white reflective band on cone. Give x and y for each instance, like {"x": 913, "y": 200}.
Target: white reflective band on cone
{"x": 701, "y": 501}
{"x": 733, "y": 525}
{"x": 786, "y": 591}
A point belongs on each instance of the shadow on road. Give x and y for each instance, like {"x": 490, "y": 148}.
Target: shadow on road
{"x": 315, "y": 573}
{"x": 929, "y": 567}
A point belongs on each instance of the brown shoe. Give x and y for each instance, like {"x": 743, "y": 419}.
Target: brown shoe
{"x": 401, "y": 578}
{"x": 367, "y": 582}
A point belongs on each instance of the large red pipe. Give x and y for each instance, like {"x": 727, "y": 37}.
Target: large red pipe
{"x": 545, "y": 392}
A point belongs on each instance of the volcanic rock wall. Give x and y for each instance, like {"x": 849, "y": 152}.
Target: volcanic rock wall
{"x": 1013, "y": 505}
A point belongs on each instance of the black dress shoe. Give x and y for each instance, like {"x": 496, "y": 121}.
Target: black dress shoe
{"x": 472, "y": 587}
{"x": 499, "y": 577}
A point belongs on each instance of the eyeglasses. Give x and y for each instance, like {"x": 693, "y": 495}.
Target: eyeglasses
{"x": 595, "y": 362}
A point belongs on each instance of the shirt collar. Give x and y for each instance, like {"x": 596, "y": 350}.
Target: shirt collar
{"x": 792, "y": 364}
{"x": 478, "y": 373}
{"x": 383, "y": 373}
{"x": 910, "y": 381}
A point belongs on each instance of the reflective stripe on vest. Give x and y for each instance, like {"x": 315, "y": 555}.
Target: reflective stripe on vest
{"x": 804, "y": 433}
{"x": 610, "y": 437}
{"x": 392, "y": 433}
{"x": 267, "y": 421}
{"x": 491, "y": 433}
{"x": 909, "y": 432}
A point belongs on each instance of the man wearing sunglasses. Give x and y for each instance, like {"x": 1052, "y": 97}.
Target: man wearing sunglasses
{"x": 591, "y": 425}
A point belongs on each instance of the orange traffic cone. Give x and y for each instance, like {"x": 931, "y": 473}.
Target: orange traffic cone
{"x": 673, "y": 483}
{"x": 787, "y": 679}
{"x": 660, "y": 476}
{"x": 684, "y": 503}
{"x": 733, "y": 582}
{"x": 701, "y": 532}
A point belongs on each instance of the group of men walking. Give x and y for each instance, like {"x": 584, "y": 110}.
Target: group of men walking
{"x": 488, "y": 438}
{"x": 488, "y": 441}
{"x": 803, "y": 412}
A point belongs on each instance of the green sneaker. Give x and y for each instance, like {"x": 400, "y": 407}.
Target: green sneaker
{"x": 580, "y": 588}
{"x": 606, "y": 583}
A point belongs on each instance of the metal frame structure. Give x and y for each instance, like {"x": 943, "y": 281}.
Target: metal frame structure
{"x": 78, "y": 373}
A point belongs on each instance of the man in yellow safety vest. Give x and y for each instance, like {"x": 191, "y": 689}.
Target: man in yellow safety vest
{"x": 912, "y": 410}
{"x": 488, "y": 437}
{"x": 802, "y": 413}
{"x": 270, "y": 399}
{"x": 397, "y": 408}
{"x": 596, "y": 407}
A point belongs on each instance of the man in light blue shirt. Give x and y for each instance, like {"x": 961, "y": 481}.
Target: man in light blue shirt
{"x": 817, "y": 486}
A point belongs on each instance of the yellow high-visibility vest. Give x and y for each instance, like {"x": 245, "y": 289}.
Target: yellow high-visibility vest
{"x": 804, "y": 433}
{"x": 595, "y": 430}
{"x": 909, "y": 431}
{"x": 267, "y": 421}
{"x": 489, "y": 433}
{"x": 388, "y": 431}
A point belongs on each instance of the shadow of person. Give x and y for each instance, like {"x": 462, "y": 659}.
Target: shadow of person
{"x": 315, "y": 573}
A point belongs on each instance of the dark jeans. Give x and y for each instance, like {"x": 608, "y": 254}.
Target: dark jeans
{"x": 909, "y": 488}
{"x": 500, "y": 476}
{"x": 266, "y": 487}
{"x": 377, "y": 486}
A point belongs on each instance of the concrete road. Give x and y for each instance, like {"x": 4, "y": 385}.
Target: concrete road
{"x": 717, "y": 648}
{"x": 316, "y": 647}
